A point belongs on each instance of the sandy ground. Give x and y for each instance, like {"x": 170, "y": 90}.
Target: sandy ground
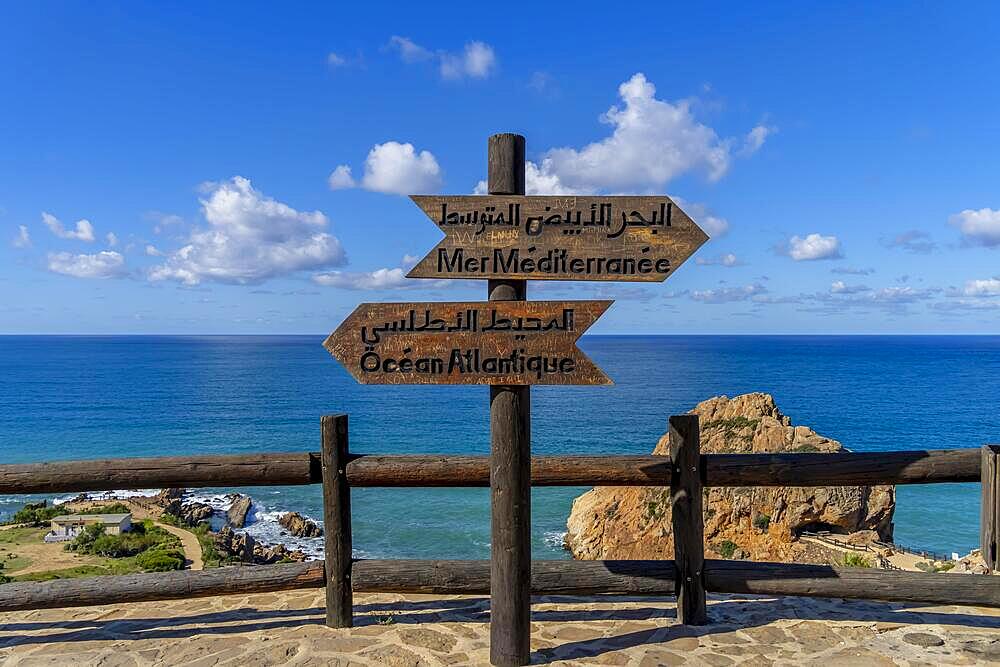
{"x": 287, "y": 629}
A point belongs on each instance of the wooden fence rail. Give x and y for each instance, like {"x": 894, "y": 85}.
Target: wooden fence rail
{"x": 297, "y": 468}
{"x": 685, "y": 471}
{"x": 450, "y": 577}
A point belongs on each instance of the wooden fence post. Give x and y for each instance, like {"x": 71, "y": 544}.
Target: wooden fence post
{"x": 337, "y": 522}
{"x": 688, "y": 523}
{"x": 510, "y": 457}
{"x": 989, "y": 517}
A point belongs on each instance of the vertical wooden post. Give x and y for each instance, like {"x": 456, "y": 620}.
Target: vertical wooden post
{"x": 336, "y": 522}
{"x": 688, "y": 523}
{"x": 510, "y": 458}
{"x": 989, "y": 516}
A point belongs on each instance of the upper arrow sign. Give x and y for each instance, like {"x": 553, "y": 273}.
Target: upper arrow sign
{"x": 489, "y": 342}
{"x": 557, "y": 238}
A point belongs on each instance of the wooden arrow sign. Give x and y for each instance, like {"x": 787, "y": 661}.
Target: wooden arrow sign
{"x": 557, "y": 238}
{"x": 498, "y": 342}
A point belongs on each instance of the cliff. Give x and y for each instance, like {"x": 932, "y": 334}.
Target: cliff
{"x": 743, "y": 522}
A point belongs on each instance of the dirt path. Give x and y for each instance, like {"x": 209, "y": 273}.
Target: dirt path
{"x": 192, "y": 547}
{"x": 901, "y": 559}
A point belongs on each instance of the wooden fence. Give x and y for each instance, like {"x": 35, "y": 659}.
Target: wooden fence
{"x": 686, "y": 471}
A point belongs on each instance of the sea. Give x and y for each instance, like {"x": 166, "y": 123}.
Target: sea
{"x": 88, "y": 397}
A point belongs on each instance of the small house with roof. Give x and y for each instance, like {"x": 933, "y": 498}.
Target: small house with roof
{"x": 65, "y": 527}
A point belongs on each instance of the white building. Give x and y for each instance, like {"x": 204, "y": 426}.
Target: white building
{"x": 67, "y": 526}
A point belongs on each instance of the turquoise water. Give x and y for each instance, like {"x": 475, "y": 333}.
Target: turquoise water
{"x": 99, "y": 397}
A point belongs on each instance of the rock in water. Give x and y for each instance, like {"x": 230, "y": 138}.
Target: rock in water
{"x": 760, "y": 523}
{"x": 299, "y": 526}
{"x": 236, "y": 516}
{"x": 233, "y": 546}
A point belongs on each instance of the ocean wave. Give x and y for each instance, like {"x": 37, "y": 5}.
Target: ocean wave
{"x": 555, "y": 538}
{"x": 104, "y": 496}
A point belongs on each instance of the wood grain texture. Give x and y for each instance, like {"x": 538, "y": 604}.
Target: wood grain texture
{"x": 548, "y": 577}
{"x": 337, "y": 522}
{"x": 989, "y": 516}
{"x": 278, "y": 469}
{"x": 87, "y": 591}
{"x": 723, "y": 576}
{"x": 632, "y": 239}
{"x": 505, "y": 164}
{"x": 296, "y": 468}
{"x": 490, "y": 342}
{"x": 510, "y": 454}
{"x": 687, "y": 519}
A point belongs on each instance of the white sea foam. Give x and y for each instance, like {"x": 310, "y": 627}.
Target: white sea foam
{"x": 554, "y": 538}
{"x": 104, "y": 496}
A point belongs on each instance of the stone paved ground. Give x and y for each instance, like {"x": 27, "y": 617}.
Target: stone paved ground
{"x": 287, "y": 628}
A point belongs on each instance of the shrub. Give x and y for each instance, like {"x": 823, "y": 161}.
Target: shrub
{"x": 761, "y": 521}
{"x": 113, "y": 508}
{"x": 727, "y": 548}
{"x": 856, "y": 560}
{"x": 35, "y": 514}
{"x": 160, "y": 560}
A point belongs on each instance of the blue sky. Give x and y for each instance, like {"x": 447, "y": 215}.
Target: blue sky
{"x": 241, "y": 168}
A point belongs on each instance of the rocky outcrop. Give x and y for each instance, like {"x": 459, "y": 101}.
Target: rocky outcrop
{"x": 167, "y": 496}
{"x": 236, "y": 515}
{"x": 760, "y": 523}
{"x": 299, "y": 526}
{"x": 241, "y": 547}
{"x": 190, "y": 513}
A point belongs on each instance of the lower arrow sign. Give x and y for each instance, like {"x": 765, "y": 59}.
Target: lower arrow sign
{"x": 498, "y": 342}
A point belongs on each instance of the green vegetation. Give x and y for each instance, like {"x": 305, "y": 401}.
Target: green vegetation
{"x": 209, "y": 555}
{"x": 727, "y": 548}
{"x": 732, "y": 427}
{"x": 806, "y": 449}
{"x": 154, "y": 549}
{"x": 36, "y": 514}
{"x": 761, "y": 521}
{"x": 160, "y": 560}
{"x": 856, "y": 560}
{"x": 21, "y": 535}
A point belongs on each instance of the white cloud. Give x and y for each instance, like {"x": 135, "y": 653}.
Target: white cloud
{"x": 813, "y": 247}
{"x": 726, "y": 259}
{"x": 373, "y": 280}
{"x": 340, "y": 178}
{"x": 335, "y": 60}
{"x": 153, "y": 251}
{"x": 728, "y": 294}
{"x": 111, "y": 238}
{"x": 105, "y": 264}
{"x": 989, "y": 287}
{"x": 852, "y": 271}
{"x": 713, "y": 225}
{"x": 477, "y": 61}
{"x": 84, "y": 230}
{"x": 23, "y": 238}
{"x": 393, "y": 168}
{"x": 840, "y": 287}
{"x": 652, "y": 142}
{"x": 409, "y": 51}
{"x": 163, "y": 220}
{"x": 250, "y": 238}
{"x": 755, "y": 138}
{"x": 914, "y": 241}
{"x": 980, "y": 227}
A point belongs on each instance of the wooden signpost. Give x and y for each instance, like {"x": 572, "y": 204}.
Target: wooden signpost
{"x": 558, "y": 238}
{"x": 515, "y": 342}
{"x": 510, "y": 343}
